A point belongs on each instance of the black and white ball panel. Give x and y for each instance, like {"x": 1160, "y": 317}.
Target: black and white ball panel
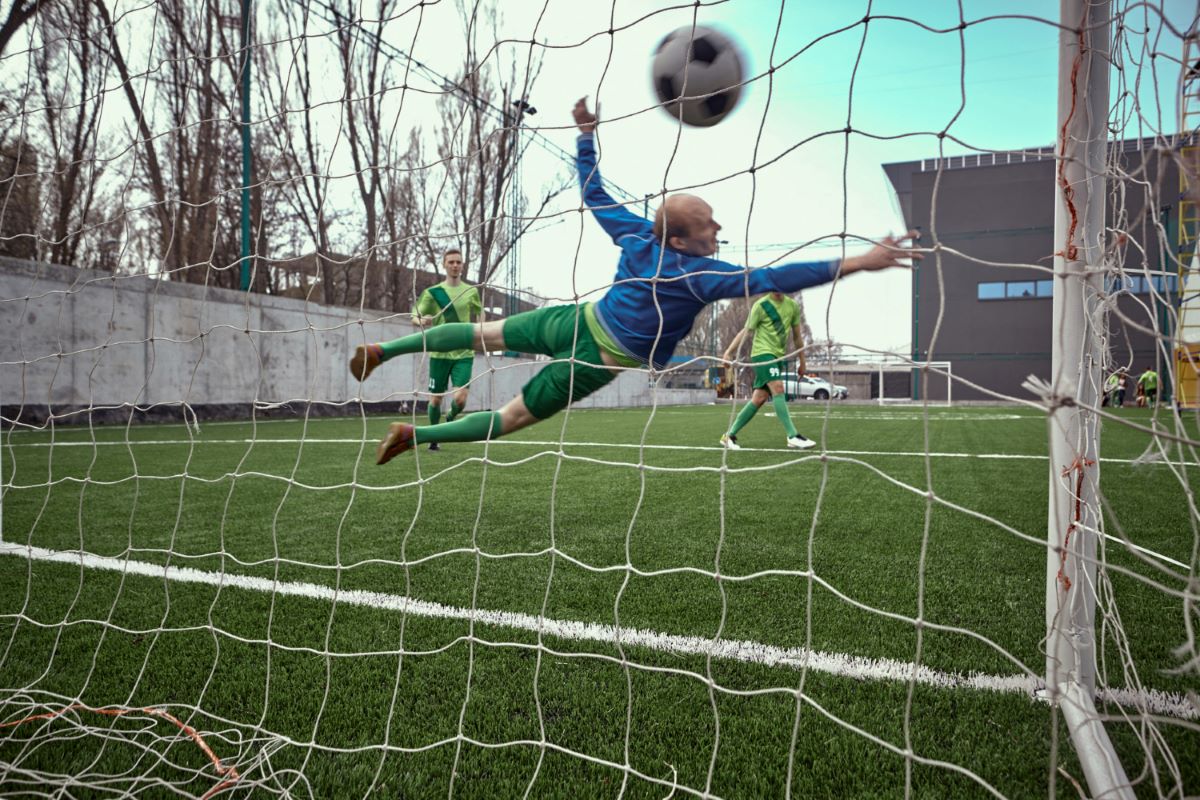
{"x": 702, "y": 65}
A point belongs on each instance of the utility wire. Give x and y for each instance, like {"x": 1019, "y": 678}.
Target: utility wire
{"x": 393, "y": 53}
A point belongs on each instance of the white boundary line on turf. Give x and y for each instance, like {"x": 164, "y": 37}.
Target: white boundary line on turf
{"x": 1153, "y": 701}
{"x": 618, "y": 445}
{"x": 845, "y": 414}
{"x": 538, "y": 443}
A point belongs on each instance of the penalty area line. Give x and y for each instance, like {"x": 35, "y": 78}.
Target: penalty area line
{"x": 837, "y": 664}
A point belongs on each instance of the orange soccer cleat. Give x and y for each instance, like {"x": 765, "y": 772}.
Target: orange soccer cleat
{"x": 399, "y": 438}
{"x": 365, "y": 359}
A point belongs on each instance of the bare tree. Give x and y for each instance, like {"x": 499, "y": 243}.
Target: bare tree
{"x": 297, "y": 139}
{"x": 364, "y": 76}
{"x": 192, "y": 168}
{"x": 20, "y": 178}
{"x": 20, "y": 12}
{"x": 20, "y": 198}
{"x": 407, "y": 218}
{"x": 411, "y": 204}
{"x": 198, "y": 98}
{"x": 149, "y": 154}
{"x": 70, "y": 81}
{"x": 479, "y": 143}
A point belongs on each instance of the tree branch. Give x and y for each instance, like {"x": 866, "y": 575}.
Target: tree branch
{"x": 20, "y": 13}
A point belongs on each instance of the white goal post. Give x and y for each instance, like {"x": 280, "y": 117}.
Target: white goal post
{"x": 900, "y": 382}
{"x": 1078, "y": 313}
{"x": 892, "y": 380}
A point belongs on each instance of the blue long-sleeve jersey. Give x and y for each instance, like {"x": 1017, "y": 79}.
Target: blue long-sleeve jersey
{"x": 657, "y": 292}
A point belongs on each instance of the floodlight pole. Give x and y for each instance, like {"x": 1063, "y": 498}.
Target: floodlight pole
{"x": 247, "y": 163}
{"x": 1077, "y": 362}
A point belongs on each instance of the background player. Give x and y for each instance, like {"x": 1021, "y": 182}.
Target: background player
{"x": 450, "y": 301}
{"x": 770, "y": 321}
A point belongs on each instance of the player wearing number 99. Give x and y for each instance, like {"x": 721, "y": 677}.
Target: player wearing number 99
{"x": 771, "y": 319}
{"x": 666, "y": 275}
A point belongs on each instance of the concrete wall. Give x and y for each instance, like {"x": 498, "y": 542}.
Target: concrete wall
{"x": 72, "y": 338}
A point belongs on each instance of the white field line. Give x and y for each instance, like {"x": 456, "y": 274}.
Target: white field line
{"x": 848, "y": 415}
{"x": 1150, "y": 701}
{"x": 564, "y": 444}
{"x": 536, "y": 443}
{"x": 839, "y": 415}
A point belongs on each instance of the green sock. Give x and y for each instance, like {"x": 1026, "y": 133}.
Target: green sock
{"x": 435, "y": 412}
{"x": 781, "y": 411}
{"x": 747, "y": 412}
{"x": 451, "y": 336}
{"x": 455, "y": 410}
{"x": 471, "y": 428}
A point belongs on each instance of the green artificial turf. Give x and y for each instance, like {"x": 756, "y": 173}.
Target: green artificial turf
{"x": 312, "y": 696}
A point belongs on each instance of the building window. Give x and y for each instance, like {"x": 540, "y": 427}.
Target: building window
{"x": 1166, "y": 283}
{"x": 1020, "y": 289}
{"x": 991, "y": 291}
{"x": 1137, "y": 284}
{"x": 1015, "y": 290}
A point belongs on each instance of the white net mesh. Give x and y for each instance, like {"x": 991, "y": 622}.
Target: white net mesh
{"x": 207, "y": 587}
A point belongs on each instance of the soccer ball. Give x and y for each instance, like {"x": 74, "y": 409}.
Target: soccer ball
{"x": 702, "y": 65}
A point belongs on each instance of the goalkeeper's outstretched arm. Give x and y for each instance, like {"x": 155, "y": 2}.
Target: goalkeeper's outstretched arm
{"x": 616, "y": 220}
{"x": 721, "y": 280}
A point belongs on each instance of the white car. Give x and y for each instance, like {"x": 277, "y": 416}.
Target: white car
{"x": 808, "y": 386}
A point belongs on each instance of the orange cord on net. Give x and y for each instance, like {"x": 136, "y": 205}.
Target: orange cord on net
{"x": 229, "y": 773}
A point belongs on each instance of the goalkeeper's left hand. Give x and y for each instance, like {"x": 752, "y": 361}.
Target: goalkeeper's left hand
{"x": 585, "y": 119}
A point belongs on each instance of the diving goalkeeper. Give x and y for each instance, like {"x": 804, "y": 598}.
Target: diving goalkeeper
{"x": 665, "y": 276}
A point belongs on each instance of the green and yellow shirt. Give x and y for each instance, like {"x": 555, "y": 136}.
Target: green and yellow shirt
{"x": 772, "y": 322}
{"x": 446, "y": 303}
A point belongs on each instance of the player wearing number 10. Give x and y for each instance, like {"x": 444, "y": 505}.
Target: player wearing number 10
{"x": 771, "y": 319}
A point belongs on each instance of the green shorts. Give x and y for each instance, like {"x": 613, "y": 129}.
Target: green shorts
{"x": 444, "y": 370}
{"x": 552, "y": 331}
{"x": 767, "y": 368}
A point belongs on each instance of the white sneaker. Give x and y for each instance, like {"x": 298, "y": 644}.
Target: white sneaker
{"x": 730, "y": 442}
{"x": 798, "y": 442}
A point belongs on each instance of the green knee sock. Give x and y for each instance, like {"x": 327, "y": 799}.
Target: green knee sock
{"x": 747, "y": 412}
{"x": 781, "y": 411}
{"x": 435, "y": 412}
{"x": 451, "y": 336}
{"x": 471, "y": 428}
{"x": 455, "y": 410}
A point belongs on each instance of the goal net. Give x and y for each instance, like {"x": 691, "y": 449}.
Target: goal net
{"x": 209, "y": 588}
{"x": 895, "y": 381}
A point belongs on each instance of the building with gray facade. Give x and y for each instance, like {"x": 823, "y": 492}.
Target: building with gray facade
{"x": 989, "y": 301}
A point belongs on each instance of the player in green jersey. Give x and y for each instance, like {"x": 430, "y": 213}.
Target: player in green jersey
{"x": 452, "y": 300}
{"x": 771, "y": 319}
{"x": 1148, "y": 384}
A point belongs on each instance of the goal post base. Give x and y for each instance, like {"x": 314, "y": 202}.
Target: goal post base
{"x": 1105, "y": 776}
